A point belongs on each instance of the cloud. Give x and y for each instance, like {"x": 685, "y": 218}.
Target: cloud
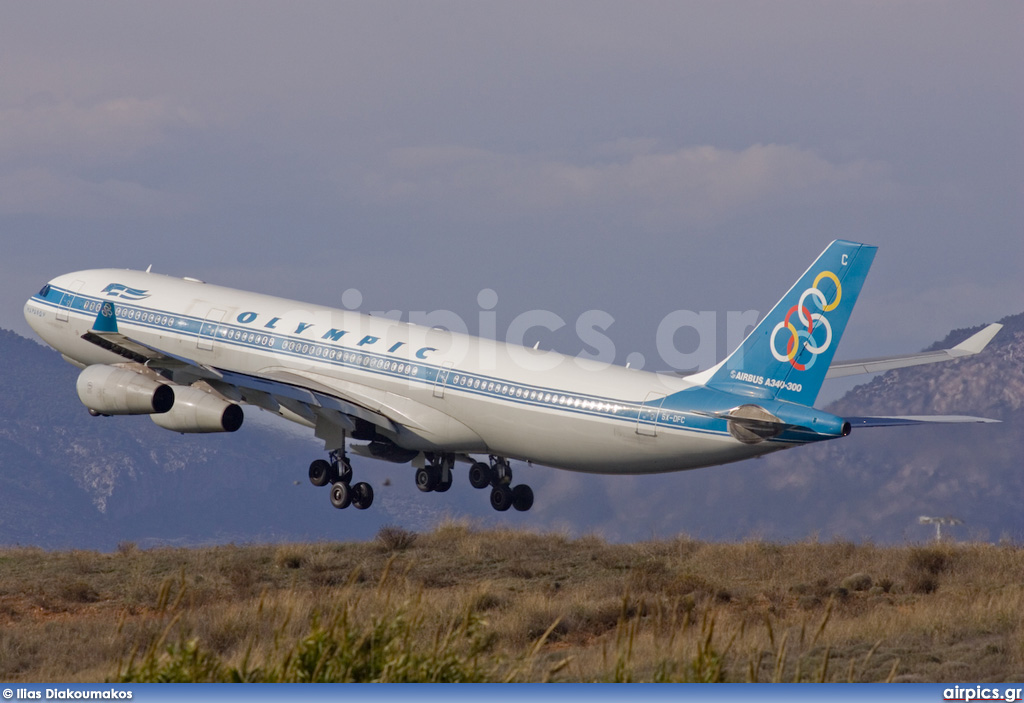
{"x": 701, "y": 184}
{"x": 52, "y": 152}
{"x": 36, "y": 191}
{"x": 100, "y": 133}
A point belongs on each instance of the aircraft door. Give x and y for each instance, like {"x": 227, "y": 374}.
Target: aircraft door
{"x": 650, "y": 414}
{"x": 442, "y": 379}
{"x": 66, "y": 301}
{"x": 208, "y": 330}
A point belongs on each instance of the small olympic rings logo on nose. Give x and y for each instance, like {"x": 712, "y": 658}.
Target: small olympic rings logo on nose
{"x": 800, "y": 339}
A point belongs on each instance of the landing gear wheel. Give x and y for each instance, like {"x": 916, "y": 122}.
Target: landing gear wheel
{"x": 480, "y": 475}
{"x": 501, "y": 498}
{"x": 427, "y": 478}
{"x": 362, "y": 495}
{"x": 319, "y": 473}
{"x": 522, "y": 497}
{"x": 341, "y": 495}
{"x": 443, "y": 486}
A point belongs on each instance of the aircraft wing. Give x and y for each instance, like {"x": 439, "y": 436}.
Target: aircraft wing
{"x": 136, "y": 351}
{"x": 972, "y": 345}
{"x": 312, "y": 402}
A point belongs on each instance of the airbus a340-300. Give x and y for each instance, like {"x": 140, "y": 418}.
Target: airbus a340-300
{"x": 190, "y": 355}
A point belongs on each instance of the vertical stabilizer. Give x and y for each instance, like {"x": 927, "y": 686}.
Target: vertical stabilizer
{"x": 106, "y": 319}
{"x": 789, "y": 352}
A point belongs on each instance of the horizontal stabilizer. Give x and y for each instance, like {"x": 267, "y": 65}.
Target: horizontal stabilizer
{"x": 895, "y": 421}
{"x": 972, "y": 345}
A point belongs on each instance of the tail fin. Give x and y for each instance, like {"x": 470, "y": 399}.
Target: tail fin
{"x": 789, "y": 352}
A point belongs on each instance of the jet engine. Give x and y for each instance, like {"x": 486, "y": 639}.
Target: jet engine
{"x": 196, "y": 411}
{"x": 109, "y": 390}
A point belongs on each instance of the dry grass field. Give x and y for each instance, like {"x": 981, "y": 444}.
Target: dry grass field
{"x": 462, "y": 604}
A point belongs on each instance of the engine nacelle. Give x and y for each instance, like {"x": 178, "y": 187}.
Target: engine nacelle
{"x": 108, "y": 390}
{"x": 198, "y": 411}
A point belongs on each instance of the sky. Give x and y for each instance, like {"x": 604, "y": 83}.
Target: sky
{"x": 632, "y": 158}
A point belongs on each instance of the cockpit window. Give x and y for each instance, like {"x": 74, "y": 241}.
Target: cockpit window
{"x": 45, "y": 291}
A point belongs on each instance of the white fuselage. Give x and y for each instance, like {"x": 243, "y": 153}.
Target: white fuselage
{"x": 444, "y": 391}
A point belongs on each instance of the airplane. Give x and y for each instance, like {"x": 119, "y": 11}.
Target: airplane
{"x": 190, "y": 354}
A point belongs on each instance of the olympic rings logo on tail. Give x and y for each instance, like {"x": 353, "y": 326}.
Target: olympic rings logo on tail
{"x": 811, "y": 321}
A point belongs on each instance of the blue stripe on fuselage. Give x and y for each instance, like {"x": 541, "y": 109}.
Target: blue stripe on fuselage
{"x": 673, "y": 415}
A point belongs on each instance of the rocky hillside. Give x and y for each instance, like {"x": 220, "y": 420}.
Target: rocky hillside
{"x": 68, "y": 479}
{"x": 971, "y": 472}
{"x": 871, "y": 485}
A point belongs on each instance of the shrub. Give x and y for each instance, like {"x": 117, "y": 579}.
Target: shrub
{"x": 857, "y": 582}
{"x": 340, "y": 648}
{"x": 289, "y": 557}
{"x": 930, "y": 560}
{"x": 923, "y": 583}
{"x": 392, "y": 538}
{"x": 79, "y": 592}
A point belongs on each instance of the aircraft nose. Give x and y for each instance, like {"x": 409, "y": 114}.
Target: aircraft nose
{"x": 30, "y": 314}
{"x": 34, "y": 312}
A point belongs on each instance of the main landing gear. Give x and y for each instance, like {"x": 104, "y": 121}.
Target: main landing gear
{"x": 498, "y": 475}
{"x": 338, "y": 473}
{"x": 437, "y": 476}
{"x": 434, "y": 477}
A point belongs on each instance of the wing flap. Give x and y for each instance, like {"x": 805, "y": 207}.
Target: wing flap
{"x": 412, "y": 415}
